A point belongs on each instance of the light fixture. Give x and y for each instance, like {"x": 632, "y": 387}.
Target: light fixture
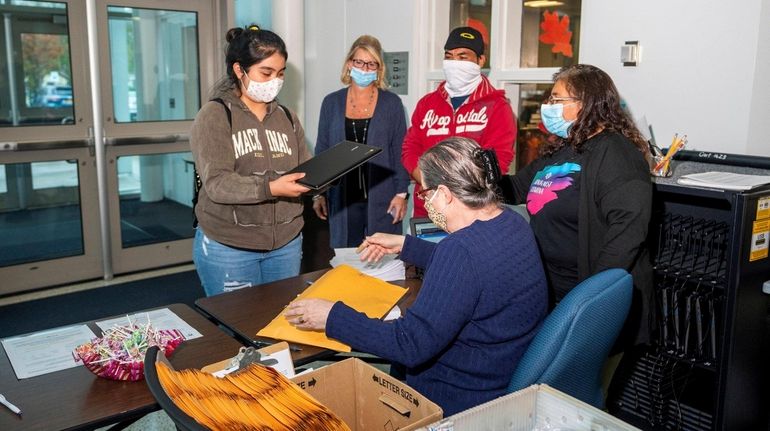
{"x": 543, "y": 3}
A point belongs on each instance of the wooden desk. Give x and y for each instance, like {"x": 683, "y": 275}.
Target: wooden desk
{"x": 75, "y": 398}
{"x": 248, "y": 310}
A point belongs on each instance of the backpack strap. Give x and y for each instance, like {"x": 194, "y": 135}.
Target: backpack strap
{"x": 288, "y": 115}
{"x": 227, "y": 110}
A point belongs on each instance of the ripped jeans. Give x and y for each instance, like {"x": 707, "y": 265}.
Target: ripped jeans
{"x": 223, "y": 269}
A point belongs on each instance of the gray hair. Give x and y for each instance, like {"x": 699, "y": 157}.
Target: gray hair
{"x": 456, "y": 163}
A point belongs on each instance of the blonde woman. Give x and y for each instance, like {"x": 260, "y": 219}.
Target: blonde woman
{"x": 373, "y": 197}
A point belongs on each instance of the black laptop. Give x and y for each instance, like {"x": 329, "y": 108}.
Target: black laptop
{"x": 322, "y": 170}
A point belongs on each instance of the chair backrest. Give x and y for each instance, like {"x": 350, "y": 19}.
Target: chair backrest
{"x": 182, "y": 421}
{"x": 570, "y": 349}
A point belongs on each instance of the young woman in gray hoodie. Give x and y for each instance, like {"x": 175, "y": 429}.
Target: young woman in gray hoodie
{"x": 249, "y": 213}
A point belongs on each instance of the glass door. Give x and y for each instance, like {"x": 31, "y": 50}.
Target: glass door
{"x": 152, "y": 86}
{"x": 152, "y": 79}
{"x": 48, "y": 219}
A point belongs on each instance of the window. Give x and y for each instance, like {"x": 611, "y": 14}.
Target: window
{"x": 530, "y": 97}
{"x": 154, "y": 59}
{"x": 36, "y": 87}
{"x": 550, "y": 31}
{"x": 472, "y": 13}
{"x": 155, "y": 198}
{"x": 258, "y": 12}
{"x": 40, "y": 212}
{"x": 49, "y": 175}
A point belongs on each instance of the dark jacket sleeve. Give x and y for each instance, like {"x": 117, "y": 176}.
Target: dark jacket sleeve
{"x": 325, "y": 119}
{"x": 624, "y": 198}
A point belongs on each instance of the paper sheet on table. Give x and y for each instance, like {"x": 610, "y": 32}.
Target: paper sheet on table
{"x": 361, "y": 292}
{"x": 389, "y": 268}
{"x": 160, "y": 319}
{"x": 45, "y": 351}
{"x": 724, "y": 180}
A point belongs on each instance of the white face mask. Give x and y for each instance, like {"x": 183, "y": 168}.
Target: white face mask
{"x": 263, "y": 92}
{"x": 462, "y": 77}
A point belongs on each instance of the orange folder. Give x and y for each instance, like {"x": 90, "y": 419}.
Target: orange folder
{"x": 359, "y": 291}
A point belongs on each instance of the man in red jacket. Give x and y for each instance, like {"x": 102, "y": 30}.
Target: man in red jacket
{"x": 465, "y": 104}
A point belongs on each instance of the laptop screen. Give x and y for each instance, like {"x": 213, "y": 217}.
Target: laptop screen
{"x": 323, "y": 169}
{"x": 423, "y": 228}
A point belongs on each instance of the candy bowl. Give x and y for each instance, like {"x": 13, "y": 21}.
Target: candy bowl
{"x": 119, "y": 353}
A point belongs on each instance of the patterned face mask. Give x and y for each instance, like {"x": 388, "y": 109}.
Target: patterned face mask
{"x": 263, "y": 92}
{"x": 439, "y": 219}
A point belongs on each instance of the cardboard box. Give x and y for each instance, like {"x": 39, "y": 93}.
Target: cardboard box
{"x": 538, "y": 407}
{"x": 368, "y": 399}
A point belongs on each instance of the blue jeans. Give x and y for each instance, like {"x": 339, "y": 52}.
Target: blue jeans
{"x": 223, "y": 269}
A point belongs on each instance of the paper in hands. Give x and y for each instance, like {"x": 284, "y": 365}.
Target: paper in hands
{"x": 361, "y": 292}
{"x": 388, "y": 268}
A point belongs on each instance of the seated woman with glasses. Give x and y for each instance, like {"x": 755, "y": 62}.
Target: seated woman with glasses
{"x": 371, "y": 198}
{"x": 589, "y": 194}
{"x": 483, "y": 295}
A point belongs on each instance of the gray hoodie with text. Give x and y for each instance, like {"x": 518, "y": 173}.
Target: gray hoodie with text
{"x": 235, "y": 206}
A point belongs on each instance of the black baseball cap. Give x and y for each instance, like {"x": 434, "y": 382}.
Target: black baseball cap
{"x": 465, "y": 37}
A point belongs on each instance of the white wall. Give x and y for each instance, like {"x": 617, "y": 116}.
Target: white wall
{"x": 759, "y": 121}
{"x": 704, "y": 71}
{"x": 331, "y": 26}
{"x": 697, "y": 74}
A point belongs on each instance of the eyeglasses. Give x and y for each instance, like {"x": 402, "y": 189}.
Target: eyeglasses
{"x": 423, "y": 194}
{"x": 370, "y": 65}
{"x": 551, "y": 100}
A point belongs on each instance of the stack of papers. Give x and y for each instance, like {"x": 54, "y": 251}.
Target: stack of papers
{"x": 724, "y": 180}
{"x": 387, "y": 269}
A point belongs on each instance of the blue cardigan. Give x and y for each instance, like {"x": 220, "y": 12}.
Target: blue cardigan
{"x": 387, "y": 176}
{"x": 482, "y": 300}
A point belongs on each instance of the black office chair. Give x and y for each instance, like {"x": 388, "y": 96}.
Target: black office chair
{"x": 182, "y": 421}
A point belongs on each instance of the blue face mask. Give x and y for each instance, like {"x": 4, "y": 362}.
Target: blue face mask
{"x": 553, "y": 119}
{"x": 361, "y": 78}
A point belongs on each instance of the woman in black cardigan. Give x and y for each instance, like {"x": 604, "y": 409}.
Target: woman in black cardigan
{"x": 589, "y": 194}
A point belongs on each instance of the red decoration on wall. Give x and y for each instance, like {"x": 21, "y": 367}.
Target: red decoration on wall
{"x": 556, "y": 32}
{"x": 479, "y": 25}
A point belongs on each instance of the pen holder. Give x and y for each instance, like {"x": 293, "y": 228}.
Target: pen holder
{"x": 661, "y": 167}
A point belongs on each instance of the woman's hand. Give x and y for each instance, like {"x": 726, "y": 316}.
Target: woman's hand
{"x": 397, "y": 208}
{"x": 378, "y": 245}
{"x": 287, "y": 186}
{"x": 319, "y": 206}
{"x": 310, "y": 314}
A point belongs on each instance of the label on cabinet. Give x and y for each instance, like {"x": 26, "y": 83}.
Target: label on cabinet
{"x": 763, "y": 208}
{"x": 759, "y": 240}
